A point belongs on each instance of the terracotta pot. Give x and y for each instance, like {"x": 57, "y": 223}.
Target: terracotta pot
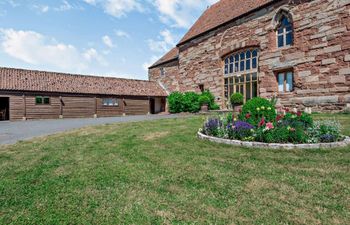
{"x": 204, "y": 108}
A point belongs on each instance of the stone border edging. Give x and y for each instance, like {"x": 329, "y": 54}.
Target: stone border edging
{"x": 248, "y": 144}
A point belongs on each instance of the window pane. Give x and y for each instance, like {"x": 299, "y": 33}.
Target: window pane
{"x": 280, "y": 41}
{"x": 289, "y": 28}
{"x": 226, "y": 81}
{"x": 281, "y": 82}
{"x": 237, "y": 57}
{"x": 231, "y": 89}
{"x": 254, "y": 63}
{"x": 236, "y": 67}
{"x": 247, "y": 66}
{"x": 231, "y": 68}
{"x": 255, "y": 53}
{"x": 248, "y": 54}
{"x": 226, "y": 69}
{"x": 280, "y": 30}
{"x": 242, "y": 66}
{"x": 47, "y": 100}
{"x": 231, "y": 80}
{"x": 254, "y": 76}
{"x": 226, "y": 91}
{"x": 289, "y": 38}
{"x": 226, "y": 61}
{"x": 247, "y": 78}
{"x": 247, "y": 91}
{"x": 38, "y": 100}
{"x": 242, "y": 55}
{"x": 241, "y": 79}
{"x": 241, "y": 90}
{"x": 236, "y": 80}
{"x": 254, "y": 89}
{"x": 289, "y": 83}
{"x": 231, "y": 59}
{"x": 285, "y": 21}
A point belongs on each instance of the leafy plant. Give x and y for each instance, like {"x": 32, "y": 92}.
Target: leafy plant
{"x": 211, "y": 126}
{"x": 191, "y": 102}
{"x": 256, "y": 109}
{"x": 175, "y": 101}
{"x": 211, "y": 97}
{"x": 236, "y": 99}
{"x": 204, "y": 100}
{"x": 215, "y": 107}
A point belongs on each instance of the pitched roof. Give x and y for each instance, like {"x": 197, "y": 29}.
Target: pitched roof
{"x": 31, "y": 80}
{"x": 220, "y": 13}
{"x": 169, "y": 56}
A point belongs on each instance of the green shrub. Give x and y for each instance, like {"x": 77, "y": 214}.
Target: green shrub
{"x": 255, "y": 109}
{"x": 297, "y": 119}
{"x": 204, "y": 100}
{"x": 175, "y": 101}
{"x": 191, "y": 102}
{"x": 236, "y": 99}
{"x": 211, "y": 97}
{"x": 215, "y": 107}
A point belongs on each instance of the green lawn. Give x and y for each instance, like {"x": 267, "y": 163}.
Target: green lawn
{"x": 160, "y": 173}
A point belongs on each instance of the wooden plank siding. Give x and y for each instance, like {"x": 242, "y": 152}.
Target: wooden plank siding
{"x": 34, "y": 111}
{"x": 136, "y": 107}
{"x": 22, "y": 105}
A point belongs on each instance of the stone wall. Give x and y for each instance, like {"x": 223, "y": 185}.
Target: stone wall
{"x": 319, "y": 56}
{"x": 170, "y": 79}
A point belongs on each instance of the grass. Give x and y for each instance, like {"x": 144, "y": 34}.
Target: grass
{"x": 159, "y": 173}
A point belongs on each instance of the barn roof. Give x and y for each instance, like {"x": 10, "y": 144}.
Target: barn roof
{"x": 169, "y": 56}
{"x": 12, "y": 79}
{"x": 221, "y": 13}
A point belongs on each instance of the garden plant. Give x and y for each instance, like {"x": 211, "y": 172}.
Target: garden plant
{"x": 259, "y": 121}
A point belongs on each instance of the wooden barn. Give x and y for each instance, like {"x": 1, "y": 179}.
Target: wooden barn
{"x": 29, "y": 94}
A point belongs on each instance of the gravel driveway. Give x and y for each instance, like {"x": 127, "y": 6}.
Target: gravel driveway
{"x": 11, "y": 132}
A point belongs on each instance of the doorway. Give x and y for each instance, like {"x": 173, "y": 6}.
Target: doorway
{"x": 4, "y": 108}
{"x": 152, "y": 106}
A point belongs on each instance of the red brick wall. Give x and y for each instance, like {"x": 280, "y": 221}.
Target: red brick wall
{"x": 320, "y": 56}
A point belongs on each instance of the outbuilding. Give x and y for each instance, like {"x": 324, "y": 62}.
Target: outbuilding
{"x": 30, "y": 94}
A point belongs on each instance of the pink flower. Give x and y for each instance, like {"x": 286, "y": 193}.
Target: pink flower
{"x": 279, "y": 117}
{"x": 262, "y": 122}
{"x": 247, "y": 116}
{"x": 299, "y": 114}
{"x": 269, "y": 126}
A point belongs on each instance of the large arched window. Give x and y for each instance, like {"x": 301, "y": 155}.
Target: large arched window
{"x": 241, "y": 74}
{"x": 284, "y": 30}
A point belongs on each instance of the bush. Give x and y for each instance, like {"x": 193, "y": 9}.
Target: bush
{"x": 211, "y": 103}
{"x": 297, "y": 119}
{"x": 175, "y": 101}
{"x": 215, "y": 107}
{"x": 204, "y": 100}
{"x": 236, "y": 99}
{"x": 191, "y": 102}
{"x": 257, "y": 108}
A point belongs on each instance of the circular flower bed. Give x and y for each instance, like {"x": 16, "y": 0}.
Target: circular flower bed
{"x": 260, "y": 125}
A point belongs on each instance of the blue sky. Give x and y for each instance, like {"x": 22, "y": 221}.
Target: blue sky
{"x": 118, "y": 38}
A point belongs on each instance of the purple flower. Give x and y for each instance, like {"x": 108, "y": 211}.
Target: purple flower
{"x": 241, "y": 125}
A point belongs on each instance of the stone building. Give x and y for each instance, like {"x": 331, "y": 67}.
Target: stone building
{"x": 297, "y": 50}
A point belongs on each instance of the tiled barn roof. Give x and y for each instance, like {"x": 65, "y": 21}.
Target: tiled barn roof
{"x": 41, "y": 81}
{"x": 172, "y": 54}
{"x": 220, "y": 13}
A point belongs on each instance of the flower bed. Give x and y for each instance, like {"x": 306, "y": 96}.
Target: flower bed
{"x": 259, "y": 122}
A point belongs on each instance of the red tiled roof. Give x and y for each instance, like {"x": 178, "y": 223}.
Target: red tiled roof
{"x": 220, "y": 13}
{"x": 41, "y": 81}
{"x": 172, "y": 54}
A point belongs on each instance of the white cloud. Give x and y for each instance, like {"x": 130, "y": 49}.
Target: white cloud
{"x": 65, "y": 6}
{"x": 36, "y": 49}
{"x": 180, "y": 12}
{"x": 117, "y": 8}
{"x": 107, "y": 41}
{"x": 165, "y": 42}
{"x": 150, "y": 62}
{"x": 41, "y": 8}
{"x": 121, "y": 33}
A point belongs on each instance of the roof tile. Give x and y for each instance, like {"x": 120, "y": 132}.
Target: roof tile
{"x": 31, "y": 80}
